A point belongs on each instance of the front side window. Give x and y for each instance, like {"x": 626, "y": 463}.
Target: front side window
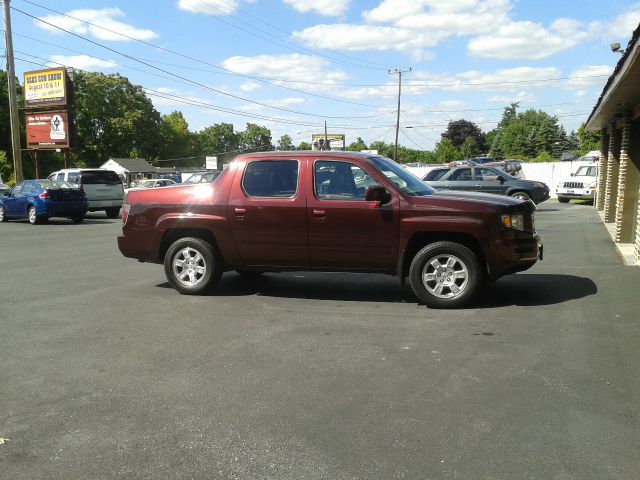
{"x": 72, "y": 178}
{"x": 17, "y": 189}
{"x": 334, "y": 180}
{"x": 461, "y": 175}
{"x": 271, "y": 178}
{"x": 486, "y": 174}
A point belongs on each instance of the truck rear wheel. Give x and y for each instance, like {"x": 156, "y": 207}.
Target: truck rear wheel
{"x": 445, "y": 275}
{"x": 192, "y": 266}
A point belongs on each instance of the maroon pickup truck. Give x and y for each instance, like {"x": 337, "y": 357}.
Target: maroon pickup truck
{"x": 330, "y": 211}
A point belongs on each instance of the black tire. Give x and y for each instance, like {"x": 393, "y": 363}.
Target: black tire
{"x": 563, "y": 200}
{"x": 112, "y": 212}
{"x": 521, "y": 195}
{"x": 77, "y": 218}
{"x": 3, "y": 217}
{"x": 32, "y": 216}
{"x": 453, "y": 283}
{"x": 204, "y": 267}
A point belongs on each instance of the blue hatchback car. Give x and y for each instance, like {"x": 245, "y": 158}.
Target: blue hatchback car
{"x": 38, "y": 200}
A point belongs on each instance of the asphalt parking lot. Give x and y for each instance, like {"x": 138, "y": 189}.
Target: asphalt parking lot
{"x": 109, "y": 373}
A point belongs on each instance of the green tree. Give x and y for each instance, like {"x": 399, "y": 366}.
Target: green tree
{"x": 459, "y": 130}
{"x": 587, "y": 141}
{"x": 6, "y": 167}
{"x": 304, "y": 146}
{"x": 176, "y": 139}
{"x": 357, "y": 145}
{"x": 384, "y": 149}
{"x": 113, "y": 118}
{"x": 510, "y": 113}
{"x": 215, "y": 139}
{"x": 470, "y": 148}
{"x": 285, "y": 143}
{"x": 496, "y": 149}
{"x": 255, "y": 138}
{"x": 446, "y": 152}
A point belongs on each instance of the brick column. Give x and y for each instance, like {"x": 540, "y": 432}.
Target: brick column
{"x": 602, "y": 169}
{"x": 622, "y": 178}
{"x": 611, "y": 187}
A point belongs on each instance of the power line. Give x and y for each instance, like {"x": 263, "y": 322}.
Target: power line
{"x": 201, "y": 85}
{"x": 202, "y": 11}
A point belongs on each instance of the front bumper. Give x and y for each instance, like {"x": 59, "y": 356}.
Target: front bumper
{"x": 577, "y": 193}
{"x": 517, "y": 253}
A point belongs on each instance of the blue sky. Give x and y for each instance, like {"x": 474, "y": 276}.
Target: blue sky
{"x": 291, "y": 65}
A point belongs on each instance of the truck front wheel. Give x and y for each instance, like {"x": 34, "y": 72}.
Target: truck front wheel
{"x": 192, "y": 266}
{"x": 445, "y": 275}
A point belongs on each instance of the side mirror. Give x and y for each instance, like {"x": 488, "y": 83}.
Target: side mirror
{"x": 377, "y": 194}
{"x": 573, "y": 174}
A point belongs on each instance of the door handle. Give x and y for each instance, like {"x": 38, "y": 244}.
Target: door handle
{"x": 476, "y": 186}
{"x": 239, "y": 212}
{"x": 317, "y": 213}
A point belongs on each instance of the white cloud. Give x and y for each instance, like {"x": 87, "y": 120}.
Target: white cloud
{"x": 394, "y": 10}
{"x": 621, "y": 27}
{"x": 82, "y": 62}
{"x": 589, "y": 76}
{"x": 209, "y": 7}
{"x": 105, "y": 18}
{"x": 414, "y": 26}
{"x": 520, "y": 97}
{"x": 529, "y": 40}
{"x": 249, "y": 86}
{"x": 351, "y": 37}
{"x": 326, "y": 8}
{"x": 294, "y": 67}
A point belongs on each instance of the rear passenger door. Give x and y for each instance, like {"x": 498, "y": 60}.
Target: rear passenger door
{"x": 267, "y": 213}
{"x": 13, "y": 199}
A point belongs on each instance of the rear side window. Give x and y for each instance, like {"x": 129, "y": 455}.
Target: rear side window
{"x": 72, "y": 178}
{"x": 60, "y": 176}
{"x": 99, "y": 177}
{"x": 272, "y": 178}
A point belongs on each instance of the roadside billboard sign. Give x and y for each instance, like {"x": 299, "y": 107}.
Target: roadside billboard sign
{"x": 335, "y": 141}
{"x": 47, "y": 129}
{"x": 43, "y": 88}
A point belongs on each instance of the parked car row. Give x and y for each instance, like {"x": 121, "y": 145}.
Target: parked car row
{"x": 481, "y": 178}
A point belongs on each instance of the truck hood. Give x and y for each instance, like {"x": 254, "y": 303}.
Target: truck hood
{"x": 476, "y": 198}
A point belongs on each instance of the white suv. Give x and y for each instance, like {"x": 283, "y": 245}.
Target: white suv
{"x": 580, "y": 186}
{"x": 103, "y": 187}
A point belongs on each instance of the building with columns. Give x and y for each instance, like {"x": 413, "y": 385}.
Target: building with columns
{"x": 617, "y": 116}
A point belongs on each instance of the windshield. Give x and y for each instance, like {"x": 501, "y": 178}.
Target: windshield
{"x": 100, "y": 177}
{"x": 56, "y": 185}
{"x": 587, "y": 171}
{"x": 405, "y": 181}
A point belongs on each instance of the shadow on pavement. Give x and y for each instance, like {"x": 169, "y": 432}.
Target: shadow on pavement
{"x": 521, "y": 289}
{"x": 534, "y": 289}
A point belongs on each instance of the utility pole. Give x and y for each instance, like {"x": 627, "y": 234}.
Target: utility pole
{"x": 13, "y": 100}
{"x": 399, "y": 72}
{"x": 326, "y": 138}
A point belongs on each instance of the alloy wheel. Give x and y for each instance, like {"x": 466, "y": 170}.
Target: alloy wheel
{"x": 445, "y": 276}
{"x": 189, "y": 266}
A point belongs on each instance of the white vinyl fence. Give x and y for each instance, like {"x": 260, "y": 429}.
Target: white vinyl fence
{"x": 550, "y": 173}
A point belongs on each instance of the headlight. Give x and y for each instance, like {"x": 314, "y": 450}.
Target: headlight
{"x": 513, "y": 221}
